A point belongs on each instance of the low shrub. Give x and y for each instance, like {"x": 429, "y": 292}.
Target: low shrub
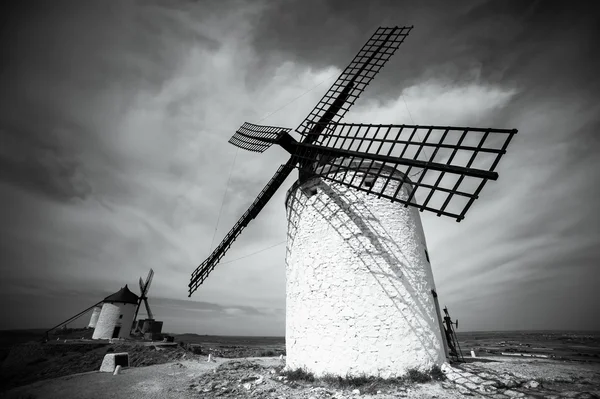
{"x": 299, "y": 374}
{"x": 366, "y": 384}
{"x": 348, "y": 381}
{"x": 418, "y": 376}
{"x": 266, "y": 353}
{"x": 370, "y": 384}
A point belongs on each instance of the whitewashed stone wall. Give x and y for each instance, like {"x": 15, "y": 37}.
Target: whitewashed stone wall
{"x": 109, "y": 319}
{"x": 359, "y": 285}
{"x": 94, "y": 317}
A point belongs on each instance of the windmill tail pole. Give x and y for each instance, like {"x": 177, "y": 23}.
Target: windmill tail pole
{"x": 72, "y": 318}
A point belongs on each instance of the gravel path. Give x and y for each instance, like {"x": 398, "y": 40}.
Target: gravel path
{"x": 157, "y": 381}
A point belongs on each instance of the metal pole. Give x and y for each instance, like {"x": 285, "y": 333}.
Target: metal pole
{"x": 440, "y": 323}
{"x": 74, "y": 317}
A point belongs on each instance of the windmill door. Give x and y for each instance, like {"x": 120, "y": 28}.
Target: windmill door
{"x": 116, "y": 332}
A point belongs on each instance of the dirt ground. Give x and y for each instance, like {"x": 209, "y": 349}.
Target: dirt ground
{"x": 532, "y": 365}
{"x": 30, "y": 362}
{"x": 262, "y": 378}
{"x": 25, "y": 361}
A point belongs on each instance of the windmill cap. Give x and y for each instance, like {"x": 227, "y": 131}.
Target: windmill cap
{"x": 350, "y": 164}
{"x": 124, "y": 295}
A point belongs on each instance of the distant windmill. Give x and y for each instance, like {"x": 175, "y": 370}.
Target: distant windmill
{"x": 360, "y": 292}
{"x": 148, "y": 324}
{"x": 144, "y": 288}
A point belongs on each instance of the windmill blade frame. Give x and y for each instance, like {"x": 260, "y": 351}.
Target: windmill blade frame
{"x": 320, "y": 153}
{"x": 393, "y": 146}
{"x": 148, "y": 311}
{"x": 257, "y": 138}
{"x": 349, "y": 157}
{"x": 205, "y": 268}
{"x": 340, "y": 97}
{"x": 144, "y": 288}
{"x": 353, "y": 80}
{"x": 148, "y": 281}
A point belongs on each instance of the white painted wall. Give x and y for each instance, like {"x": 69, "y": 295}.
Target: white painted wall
{"x": 109, "y": 319}
{"x": 358, "y": 285}
{"x": 94, "y": 317}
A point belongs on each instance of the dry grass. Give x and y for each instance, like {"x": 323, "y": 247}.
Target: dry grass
{"x": 299, "y": 374}
{"x": 367, "y": 384}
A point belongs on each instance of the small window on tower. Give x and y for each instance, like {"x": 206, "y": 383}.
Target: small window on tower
{"x": 309, "y": 191}
{"x": 427, "y": 255}
{"x": 120, "y": 316}
{"x": 369, "y": 181}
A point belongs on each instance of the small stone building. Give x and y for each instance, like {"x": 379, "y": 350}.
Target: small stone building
{"x": 116, "y": 317}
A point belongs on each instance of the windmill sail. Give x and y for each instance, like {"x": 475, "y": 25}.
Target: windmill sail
{"x": 256, "y": 138}
{"x": 354, "y": 79}
{"x": 148, "y": 311}
{"x": 332, "y": 107}
{"x": 202, "y": 271}
{"x": 144, "y": 288}
{"x": 145, "y": 296}
{"x": 369, "y": 152}
{"x": 457, "y": 163}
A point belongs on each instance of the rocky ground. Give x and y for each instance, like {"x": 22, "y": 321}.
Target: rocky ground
{"x": 265, "y": 378}
{"x": 181, "y": 370}
{"x": 491, "y": 379}
{"x": 520, "y": 378}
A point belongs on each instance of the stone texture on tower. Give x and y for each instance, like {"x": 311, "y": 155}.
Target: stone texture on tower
{"x": 359, "y": 284}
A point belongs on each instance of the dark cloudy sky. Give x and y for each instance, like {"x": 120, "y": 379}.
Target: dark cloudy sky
{"x": 115, "y": 116}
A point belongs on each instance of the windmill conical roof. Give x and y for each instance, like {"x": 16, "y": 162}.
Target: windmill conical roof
{"x": 124, "y": 295}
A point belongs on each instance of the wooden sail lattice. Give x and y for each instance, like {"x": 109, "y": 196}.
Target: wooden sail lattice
{"x": 445, "y": 171}
{"x": 457, "y": 163}
{"x": 355, "y": 78}
{"x": 202, "y": 271}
